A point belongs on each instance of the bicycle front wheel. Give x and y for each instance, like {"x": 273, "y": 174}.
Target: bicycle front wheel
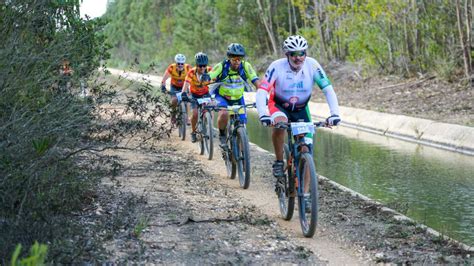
{"x": 243, "y": 157}
{"x": 286, "y": 188}
{"x": 200, "y": 136}
{"x": 182, "y": 120}
{"x": 308, "y": 209}
{"x": 208, "y": 135}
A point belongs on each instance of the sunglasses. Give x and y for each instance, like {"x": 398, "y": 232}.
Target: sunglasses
{"x": 202, "y": 65}
{"x": 300, "y": 53}
{"x": 180, "y": 64}
{"x": 236, "y": 59}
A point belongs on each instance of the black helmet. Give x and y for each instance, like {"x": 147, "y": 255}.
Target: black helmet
{"x": 235, "y": 49}
{"x": 201, "y": 58}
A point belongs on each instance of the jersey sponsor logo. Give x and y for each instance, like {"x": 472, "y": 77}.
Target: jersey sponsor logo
{"x": 294, "y": 100}
{"x": 298, "y": 85}
{"x": 321, "y": 75}
{"x": 269, "y": 74}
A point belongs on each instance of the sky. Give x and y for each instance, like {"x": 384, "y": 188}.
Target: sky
{"x": 93, "y": 8}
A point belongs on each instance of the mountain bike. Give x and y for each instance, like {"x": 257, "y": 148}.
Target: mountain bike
{"x": 182, "y": 117}
{"x": 236, "y": 154}
{"x": 205, "y": 129}
{"x": 298, "y": 164}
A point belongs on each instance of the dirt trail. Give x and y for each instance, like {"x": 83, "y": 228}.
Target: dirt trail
{"x": 194, "y": 214}
{"x": 325, "y": 243}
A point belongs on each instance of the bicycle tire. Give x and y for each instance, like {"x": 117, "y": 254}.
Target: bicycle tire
{"x": 208, "y": 135}
{"x": 243, "y": 157}
{"x": 200, "y": 136}
{"x": 182, "y": 121}
{"x": 230, "y": 162}
{"x": 308, "y": 222}
{"x": 285, "y": 199}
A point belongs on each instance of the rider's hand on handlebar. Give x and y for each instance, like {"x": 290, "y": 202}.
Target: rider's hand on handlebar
{"x": 265, "y": 120}
{"x": 184, "y": 97}
{"x": 163, "y": 88}
{"x": 333, "y": 120}
{"x": 205, "y": 77}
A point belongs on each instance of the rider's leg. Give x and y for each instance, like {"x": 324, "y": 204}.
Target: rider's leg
{"x": 188, "y": 110}
{"x": 194, "y": 119}
{"x": 174, "y": 102}
{"x": 278, "y": 140}
{"x": 222, "y": 119}
{"x": 174, "y": 105}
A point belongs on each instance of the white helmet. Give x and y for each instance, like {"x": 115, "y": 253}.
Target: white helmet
{"x": 180, "y": 58}
{"x": 295, "y": 43}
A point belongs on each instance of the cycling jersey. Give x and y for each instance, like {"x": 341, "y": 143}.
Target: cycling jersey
{"x": 194, "y": 80}
{"x": 177, "y": 76}
{"x": 292, "y": 90}
{"x": 233, "y": 85}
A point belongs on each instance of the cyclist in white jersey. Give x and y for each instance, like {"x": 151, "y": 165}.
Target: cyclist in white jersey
{"x": 288, "y": 84}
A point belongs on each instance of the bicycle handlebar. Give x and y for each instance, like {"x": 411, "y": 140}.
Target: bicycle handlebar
{"x": 287, "y": 125}
{"x": 229, "y": 108}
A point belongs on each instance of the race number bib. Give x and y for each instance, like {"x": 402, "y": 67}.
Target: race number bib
{"x": 236, "y": 109}
{"x": 204, "y": 101}
{"x": 298, "y": 128}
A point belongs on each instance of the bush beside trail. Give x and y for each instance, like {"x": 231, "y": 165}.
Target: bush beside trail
{"x": 52, "y": 141}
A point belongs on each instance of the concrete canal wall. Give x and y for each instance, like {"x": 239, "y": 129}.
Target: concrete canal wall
{"x": 446, "y": 136}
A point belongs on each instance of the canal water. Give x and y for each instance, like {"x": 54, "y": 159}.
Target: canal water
{"x": 432, "y": 186}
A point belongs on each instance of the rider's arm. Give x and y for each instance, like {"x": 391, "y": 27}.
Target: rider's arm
{"x": 216, "y": 71}
{"x": 261, "y": 101}
{"x": 186, "y": 87}
{"x": 323, "y": 82}
{"x": 331, "y": 99}
{"x": 251, "y": 75}
{"x": 166, "y": 75}
{"x": 261, "y": 97}
{"x": 213, "y": 74}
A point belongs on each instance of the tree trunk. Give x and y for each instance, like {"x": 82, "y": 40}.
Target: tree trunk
{"x": 295, "y": 22}
{"x": 462, "y": 39}
{"x": 289, "y": 17}
{"x": 318, "y": 22}
{"x": 266, "y": 18}
{"x": 469, "y": 47}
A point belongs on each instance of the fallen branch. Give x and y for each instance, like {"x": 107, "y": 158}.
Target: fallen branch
{"x": 405, "y": 83}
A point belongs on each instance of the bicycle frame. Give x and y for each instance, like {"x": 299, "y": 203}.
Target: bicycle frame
{"x": 237, "y": 152}
{"x": 298, "y": 152}
{"x": 234, "y": 124}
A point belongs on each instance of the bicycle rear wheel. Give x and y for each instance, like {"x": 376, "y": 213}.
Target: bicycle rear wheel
{"x": 243, "y": 157}
{"x": 308, "y": 214}
{"x": 286, "y": 189}
{"x": 207, "y": 134}
{"x": 182, "y": 120}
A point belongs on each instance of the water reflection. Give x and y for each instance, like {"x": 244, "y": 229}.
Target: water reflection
{"x": 432, "y": 186}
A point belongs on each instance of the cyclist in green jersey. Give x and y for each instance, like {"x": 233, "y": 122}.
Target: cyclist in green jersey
{"x": 233, "y": 75}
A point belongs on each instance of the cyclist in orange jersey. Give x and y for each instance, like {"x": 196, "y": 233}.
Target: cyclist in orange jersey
{"x": 196, "y": 85}
{"x": 177, "y": 71}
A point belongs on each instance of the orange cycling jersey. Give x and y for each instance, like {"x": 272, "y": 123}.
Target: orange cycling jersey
{"x": 177, "y": 76}
{"x": 195, "y": 83}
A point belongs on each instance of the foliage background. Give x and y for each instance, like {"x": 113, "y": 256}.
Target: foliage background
{"x": 388, "y": 36}
{"x": 52, "y": 141}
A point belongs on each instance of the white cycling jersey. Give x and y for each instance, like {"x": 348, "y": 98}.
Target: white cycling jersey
{"x": 292, "y": 90}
